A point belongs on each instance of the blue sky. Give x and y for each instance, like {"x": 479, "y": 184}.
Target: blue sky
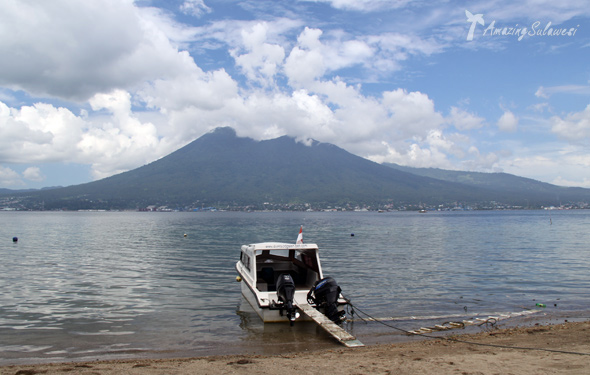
{"x": 92, "y": 88}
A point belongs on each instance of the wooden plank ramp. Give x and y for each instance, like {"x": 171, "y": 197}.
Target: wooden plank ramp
{"x": 329, "y": 326}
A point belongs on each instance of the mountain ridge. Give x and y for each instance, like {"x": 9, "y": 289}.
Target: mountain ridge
{"x": 496, "y": 181}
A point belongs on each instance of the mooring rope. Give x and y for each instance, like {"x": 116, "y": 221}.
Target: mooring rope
{"x": 415, "y": 333}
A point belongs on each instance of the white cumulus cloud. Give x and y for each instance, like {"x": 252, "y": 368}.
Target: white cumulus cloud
{"x": 74, "y": 49}
{"x": 574, "y": 127}
{"x": 260, "y": 60}
{"x": 9, "y": 178}
{"x": 464, "y": 120}
{"x": 508, "y": 122}
{"x": 117, "y": 142}
{"x": 40, "y": 132}
{"x": 33, "y": 174}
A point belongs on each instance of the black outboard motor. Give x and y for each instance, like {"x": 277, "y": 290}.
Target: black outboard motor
{"x": 324, "y": 294}
{"x": 286, "y": 292}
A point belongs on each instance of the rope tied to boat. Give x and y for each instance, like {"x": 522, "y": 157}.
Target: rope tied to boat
{"x": 491, "y": 321}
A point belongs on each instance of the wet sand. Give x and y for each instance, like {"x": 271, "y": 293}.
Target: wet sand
{"x": 486, "y": 353}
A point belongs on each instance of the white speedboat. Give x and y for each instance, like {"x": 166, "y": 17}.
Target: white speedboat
{"x": 284, "y": 282}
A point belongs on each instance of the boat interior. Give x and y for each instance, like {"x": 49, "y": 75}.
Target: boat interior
{"x": 301, "y": 265}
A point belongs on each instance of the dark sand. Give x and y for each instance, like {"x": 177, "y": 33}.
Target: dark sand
{"x": 429, "y": 356}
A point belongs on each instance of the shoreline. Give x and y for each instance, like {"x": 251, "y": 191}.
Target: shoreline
{"x": 554, "y": 348}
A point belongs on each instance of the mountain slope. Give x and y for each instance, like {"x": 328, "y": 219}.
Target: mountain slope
{"x": 221, "y": 168}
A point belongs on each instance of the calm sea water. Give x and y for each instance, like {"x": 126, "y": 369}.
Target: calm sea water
{"x": 103, "y": 285}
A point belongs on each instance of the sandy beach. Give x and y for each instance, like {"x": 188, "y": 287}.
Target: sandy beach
{"x": 561, "y": 348}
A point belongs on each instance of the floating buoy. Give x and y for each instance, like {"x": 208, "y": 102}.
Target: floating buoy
{"x": 238, "y": 278}
{"x": 14, "y": 239}
{"x": 352, "y": 235}
{"x": 185, "y": 234}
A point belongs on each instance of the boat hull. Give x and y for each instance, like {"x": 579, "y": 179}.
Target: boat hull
{"x": 270, "y": 315}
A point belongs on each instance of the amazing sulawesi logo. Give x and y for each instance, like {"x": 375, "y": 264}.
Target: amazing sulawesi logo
{"x": 535, "y": 29}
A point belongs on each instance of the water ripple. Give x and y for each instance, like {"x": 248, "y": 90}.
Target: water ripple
{"x": 115, "y": 284}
